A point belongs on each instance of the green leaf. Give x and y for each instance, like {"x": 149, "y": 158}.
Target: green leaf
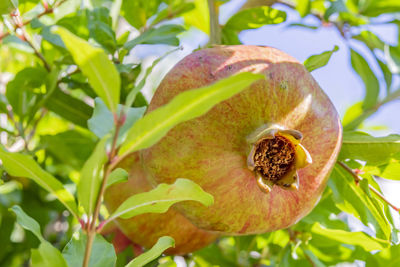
{"x": 102, "y": 120}
{"x": 370, "y": 39}
{"x": 137, "y": 12}
{"x": 303, "y": 7}
{"x": 388, "y": 257}
{"x": 72, "y": 147}
{"x": 317, "y": 61}
{"x": 187, "y": 105}
{"x": 162, "y": 244}
{"x": 373, "y": 150}
{"x": 361, "y": 239}
{"x": 117, "y": 176}
{"x": 24, "y": 166}
{"x": 69, "y": 108}
{"x": 21, "y": 90}
{"x": 94, "y": 63}
{"x": 199, "y": 16}
{"x": 390, "y": 170}
{"x": 27, "y": 222}
{"x": 356, "y": 200}
{"x": 103, "y": 253}
{"x": 47, "y": 255}
{"x": 6, "y": 6}
{"x": 92, "y": 176}
{"x": 165, "y": 34}
{"x": 253, "y": 18}
{"x": 377, "y": 7}
{"x": 361, "y": 66}
{"x": 161, "y": 198}
{"x": 392, "y": 56}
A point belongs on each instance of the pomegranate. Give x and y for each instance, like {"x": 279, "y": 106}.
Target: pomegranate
{"x": 281, "y": 135}
{"x": 147, "y": 228}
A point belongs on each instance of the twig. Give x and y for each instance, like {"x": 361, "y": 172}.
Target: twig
{"x": 358, "y": 178}
{"x": 45, "y": 12}
{"x": 215, "y": 30}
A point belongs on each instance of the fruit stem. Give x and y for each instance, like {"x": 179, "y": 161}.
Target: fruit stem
{"x": 358, "y": 178}
{"x": 215, "y": 30}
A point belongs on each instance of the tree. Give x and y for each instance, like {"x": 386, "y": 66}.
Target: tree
{"x": 69, "y": 66}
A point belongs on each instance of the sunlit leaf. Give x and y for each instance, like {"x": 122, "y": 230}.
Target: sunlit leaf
{"x": 187, "y": 105}
{"x": 373, "y": 150}
{"x": 17, "y": 164}
{"x": 371, "y": 83}
{"x": 303, "y": 7}
{"x": 117, "y": 176}
{"x": 162, "y": 244}
{"x": 94, "y": 63}
{"x": 351, "y": 199}
{"x": 387, "y": 257}
{"x": 361, "y": 239}
{"x": 161, "y": 198}
{"x": 317, "y": 61}
{"x": 92, "y": 176}
{"x": 165, "y": 34}
{"x": 256, "y": 17}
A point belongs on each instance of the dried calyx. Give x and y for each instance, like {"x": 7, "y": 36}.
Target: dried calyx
{"x": 275, "y": 156}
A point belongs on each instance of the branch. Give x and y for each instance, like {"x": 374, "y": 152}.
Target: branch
{"x": 109, "y": 166}
{"x": 215, "y": 30}
{"x": 47, "y": 10}
{"x": 358, "y": 178}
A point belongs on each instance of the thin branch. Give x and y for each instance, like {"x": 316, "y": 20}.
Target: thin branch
{"x": 215, "y": 30}
{"x": 44, "y": 12}
{"x": 109, "y": 166}
{"x": 358, "y": 178}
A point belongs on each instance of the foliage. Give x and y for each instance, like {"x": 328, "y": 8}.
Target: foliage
{"x": 72, "y": 106}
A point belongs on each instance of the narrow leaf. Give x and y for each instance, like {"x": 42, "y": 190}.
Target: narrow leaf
{"x": 317, "y": 61}
{"x": 368, "y": 243}
{"x": 162, "y": 244}
{"x": 69, "y": 108}
{"x": 165, "y": 34}
{"x": 373, "y": 150}
{"x": 117, "y": 176}
{"x": 355, "y": 200}
{"x": 27, "y": 222}
{"x": 361, "y": 66}
{"x": 187, "y": 105}
{"x": 161, "y": 198}
{"x": 17, "y": 164}
{"x": 91, "y": 177}
{"x": 94, "y": 63}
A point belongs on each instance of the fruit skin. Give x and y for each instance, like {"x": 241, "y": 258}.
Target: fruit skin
{"x": 145, "y": 229}
{"x": 212, "y": 150}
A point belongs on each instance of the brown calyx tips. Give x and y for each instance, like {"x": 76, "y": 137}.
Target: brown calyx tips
{"x": 276, "y": 155}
